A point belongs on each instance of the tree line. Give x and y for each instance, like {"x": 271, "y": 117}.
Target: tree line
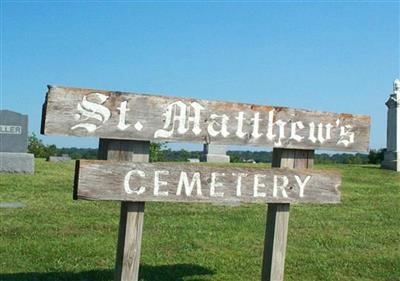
{"x": 159, "y": 153}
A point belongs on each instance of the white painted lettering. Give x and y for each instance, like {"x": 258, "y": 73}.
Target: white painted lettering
{"x": 270, "y": 127}
{"x": 311, "y": 136}
{"x": 214, "y": 184}
{"x": 223, "y": 125}
{"x": 127, "y": 185}
{"x": 328, "y": 128}
{"x": 184, "y": 182}
{"x": 346, "y": 136}
{"x": 256, "y": 125}
{"x": 158, "y": 183}
{"x": 239, "y": 130}
{"x": 122, "y": 116}
{"x": 180, "y": 113}
{"x": 293, "y": 133}
{"x": 302, "y": 184}
{"x": 257, "y": 184}
{"x": 281, "y": 187}
{"x": 239, "y": 183}
{"x": 92, "y": 110}
{"x": 281, "y": 132}
{"x": 320, "y": 132}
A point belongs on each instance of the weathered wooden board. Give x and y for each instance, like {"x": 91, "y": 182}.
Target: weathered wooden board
{"x": 132, "y": 213}
{"x": 117, "y": 115}
{"x": 177, "y": 182}
{"x": 278, "y": 215}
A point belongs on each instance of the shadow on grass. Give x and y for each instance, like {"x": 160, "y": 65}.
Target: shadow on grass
{"x": 174, "y": 272}
{"x": 371, "y": 167}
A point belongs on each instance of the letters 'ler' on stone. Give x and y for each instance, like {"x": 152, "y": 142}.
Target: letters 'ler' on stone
{"x": 116, "y": 115}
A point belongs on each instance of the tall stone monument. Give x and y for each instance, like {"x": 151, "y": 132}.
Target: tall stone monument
{"x": 14, "y": 143}
{"x": 214, "y": 153}
{"x": 392, "y": 155}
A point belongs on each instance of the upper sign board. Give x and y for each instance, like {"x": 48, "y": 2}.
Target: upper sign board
{"x": 117, "y": 115}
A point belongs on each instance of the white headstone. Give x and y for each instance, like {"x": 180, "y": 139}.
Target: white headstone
{"x": 215, "y": 153}
{"x": 392, "y": 155}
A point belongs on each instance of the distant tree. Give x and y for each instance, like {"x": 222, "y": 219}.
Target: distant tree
{"x": 157, "y": 152}
{"x": 39, "y": 149}
{"x": 375, "y": 156}
{"x": 323, "y": 158}
{"x": 184, "y": 155}
{"x": 235, "y": 158}
{"x": 78, "y": 153}
{"x": 51, "y": 150}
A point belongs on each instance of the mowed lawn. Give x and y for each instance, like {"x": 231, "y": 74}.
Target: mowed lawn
{"x": 57, "y": 238}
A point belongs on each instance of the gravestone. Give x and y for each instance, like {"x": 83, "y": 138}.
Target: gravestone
{"x": 392, "y": 154}
{"x": 14, "y": 143}
{"x": 214, "y": 153}
{"x": 14, "y": 205}
{"x": 62, "y": 158}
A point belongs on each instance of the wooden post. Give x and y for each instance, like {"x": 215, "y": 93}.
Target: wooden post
{"x": 278, "y": 215}
{"x": 132, "y": 213}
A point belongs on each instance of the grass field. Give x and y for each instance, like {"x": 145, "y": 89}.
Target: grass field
{"x": 56, "y": 238}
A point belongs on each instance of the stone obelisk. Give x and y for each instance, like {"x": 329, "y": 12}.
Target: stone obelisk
{"x": 392, "y": 155}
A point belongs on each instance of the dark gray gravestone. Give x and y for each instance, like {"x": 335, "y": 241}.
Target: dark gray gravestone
{"x": 13, "y": 132}
{"x": 14, "y": 143}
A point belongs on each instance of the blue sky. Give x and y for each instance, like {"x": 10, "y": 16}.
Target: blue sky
{"x": 328, "y": 56}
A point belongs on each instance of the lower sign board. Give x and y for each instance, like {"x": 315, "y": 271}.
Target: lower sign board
{"x": 182, "y": 182}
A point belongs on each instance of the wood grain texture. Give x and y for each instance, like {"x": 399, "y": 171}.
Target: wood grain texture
{"x": 132, "y": 213}
{"x": 117, "y": 115}
{"x": 278, "y": 215}
{"x": 292, "y": 158}
{"x": 129, "y": 241}
{"x": 275, "y": 242}
{"x": 125, "y": 181}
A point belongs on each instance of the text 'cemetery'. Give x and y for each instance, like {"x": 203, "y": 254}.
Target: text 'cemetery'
{"x": 202, "y": 183}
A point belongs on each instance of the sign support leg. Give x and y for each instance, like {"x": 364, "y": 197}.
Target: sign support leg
{"x": 132, "y": 213}
{"x": 278, "y": 215}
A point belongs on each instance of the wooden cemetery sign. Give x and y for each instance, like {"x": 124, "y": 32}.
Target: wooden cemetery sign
{"x": 127, "y": 122}
{"x": 117, "y": 115}
{"x": 173, "y": 182}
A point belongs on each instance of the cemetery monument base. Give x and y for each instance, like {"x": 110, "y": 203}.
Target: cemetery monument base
{"x": 16, "y": 162}
{"x": 392, "y": 161}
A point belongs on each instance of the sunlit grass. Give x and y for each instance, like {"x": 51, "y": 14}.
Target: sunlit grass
{"x": 56, "y": 238}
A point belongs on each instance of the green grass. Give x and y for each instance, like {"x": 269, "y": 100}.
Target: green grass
{"x": 56, "y": 238}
